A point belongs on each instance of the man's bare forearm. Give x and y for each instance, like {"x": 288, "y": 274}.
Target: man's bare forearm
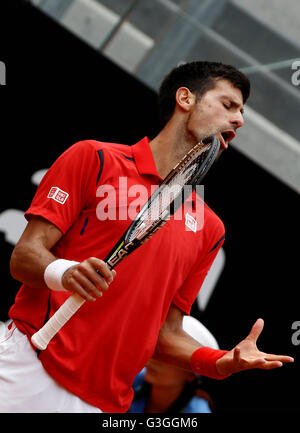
{"x": 32, "y": 254}
{"x": 28, "y": 263}
{"x": 175, "y": 348}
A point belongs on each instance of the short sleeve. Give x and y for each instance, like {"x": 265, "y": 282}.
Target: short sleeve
{"x": 67, "y": 187}
{"x": 186, "y": 295}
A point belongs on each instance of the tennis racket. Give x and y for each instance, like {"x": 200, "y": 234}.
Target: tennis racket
{"x": 154, "y": 214}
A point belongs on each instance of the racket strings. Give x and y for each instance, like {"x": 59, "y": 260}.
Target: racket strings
{"x": 170, "y": 192}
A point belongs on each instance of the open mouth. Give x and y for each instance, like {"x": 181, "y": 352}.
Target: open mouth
{"x": 226, "y": 137}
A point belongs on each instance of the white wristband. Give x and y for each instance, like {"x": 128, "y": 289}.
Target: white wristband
{"x": 54, "y": 272}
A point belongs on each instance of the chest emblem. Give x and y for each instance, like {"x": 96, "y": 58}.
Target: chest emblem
{"x": 190, "y": 222}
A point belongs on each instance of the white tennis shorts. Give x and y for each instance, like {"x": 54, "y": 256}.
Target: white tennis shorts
{"x": 25, "y": 386}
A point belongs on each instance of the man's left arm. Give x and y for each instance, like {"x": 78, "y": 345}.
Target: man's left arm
{"x": 177, "y": 348}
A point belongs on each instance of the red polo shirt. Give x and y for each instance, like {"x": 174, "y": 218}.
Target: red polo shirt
{"x": 91, "y": 193}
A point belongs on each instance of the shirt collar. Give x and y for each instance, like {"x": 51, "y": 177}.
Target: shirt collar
{"x": 145, "y": 162}
{"x": 143, "y": 158}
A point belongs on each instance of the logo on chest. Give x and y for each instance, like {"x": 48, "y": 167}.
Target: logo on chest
{"x": 190, "y": 222}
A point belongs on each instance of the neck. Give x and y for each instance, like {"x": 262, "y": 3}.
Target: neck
{"x": 169, "y": 146}
{"x": 162, "y": 397}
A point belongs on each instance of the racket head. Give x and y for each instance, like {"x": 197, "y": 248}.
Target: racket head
{"x": 168, "y": 197}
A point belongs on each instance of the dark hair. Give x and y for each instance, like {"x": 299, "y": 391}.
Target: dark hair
{"x": 198, "y": 77}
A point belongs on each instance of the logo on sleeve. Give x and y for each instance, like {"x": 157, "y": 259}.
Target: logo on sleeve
{"x": 190, "y": 222}
{"x": 58, "y": 195}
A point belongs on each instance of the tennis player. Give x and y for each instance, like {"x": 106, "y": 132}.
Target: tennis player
{"x": 90, "y": 365}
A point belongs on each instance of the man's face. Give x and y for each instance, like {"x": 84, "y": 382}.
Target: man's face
{"x": 218, "y": 113}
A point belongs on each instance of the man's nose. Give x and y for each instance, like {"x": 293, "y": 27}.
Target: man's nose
{"x": 237, "y": 120}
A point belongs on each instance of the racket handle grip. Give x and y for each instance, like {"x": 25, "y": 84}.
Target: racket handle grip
{"x": 42, "y": 337}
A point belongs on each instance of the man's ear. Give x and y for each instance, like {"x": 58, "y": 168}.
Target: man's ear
{"x": 185, "y": 99}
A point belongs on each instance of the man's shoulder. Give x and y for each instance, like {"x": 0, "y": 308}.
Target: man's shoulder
{"x": 210, "y": 216}
{"x": 109, "y": 147}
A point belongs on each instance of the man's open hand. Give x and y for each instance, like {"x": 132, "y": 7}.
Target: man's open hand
{"x": 246, "y": 356}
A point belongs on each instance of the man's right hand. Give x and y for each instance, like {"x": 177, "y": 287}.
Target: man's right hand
{"x": 89, "y": 278}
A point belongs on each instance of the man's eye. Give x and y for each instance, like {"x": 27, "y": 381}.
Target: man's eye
{"x": 226, "y": 106}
